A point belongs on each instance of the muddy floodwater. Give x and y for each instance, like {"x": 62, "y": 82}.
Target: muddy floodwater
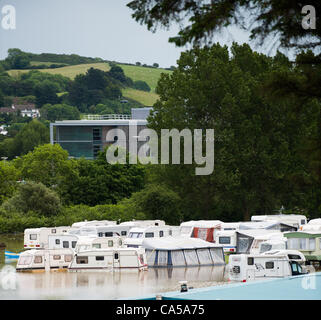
{"x": 97, "y": 285}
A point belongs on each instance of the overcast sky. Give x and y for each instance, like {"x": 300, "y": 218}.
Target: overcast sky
{"x": 92, "y": 28}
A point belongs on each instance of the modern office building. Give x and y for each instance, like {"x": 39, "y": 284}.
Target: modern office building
{"x": 85, "y": 138}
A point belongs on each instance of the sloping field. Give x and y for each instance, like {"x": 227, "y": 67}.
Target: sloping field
{"x": 145, "y": 98}
{"x": 69, "y": 71}
{"x": 149, "y": 75}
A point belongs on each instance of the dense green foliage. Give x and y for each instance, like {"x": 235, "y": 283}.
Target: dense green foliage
{"x": 259, "y": 161}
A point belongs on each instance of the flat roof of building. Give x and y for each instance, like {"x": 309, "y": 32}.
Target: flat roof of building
{"x": 111, "y": 122}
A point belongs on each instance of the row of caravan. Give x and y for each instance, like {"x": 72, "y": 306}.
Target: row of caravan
{"x": 111, "y": 245}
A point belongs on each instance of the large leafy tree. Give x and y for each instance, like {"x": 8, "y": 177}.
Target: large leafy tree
{"x": 48, "y": 164}
{"x": 98, "y": 182}
{"x": 8, "y": 180}
{"x": 255, "y": 140}
{"x": 34, "y": 197}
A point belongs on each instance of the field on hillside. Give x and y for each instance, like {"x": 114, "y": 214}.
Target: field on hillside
{"x": 149, "y": 75}
{"x": 146, "y": 98}
{"x": 68, "y": 71}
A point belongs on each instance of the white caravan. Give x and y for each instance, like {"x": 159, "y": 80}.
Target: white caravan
{"x": 203, "y": 229}
{"x": 313, "y": 225}
{"x": 109, "y": 260}
{"x": 90, "y": 243}
{"x": 267, "y": 225}
{"x": 227, "y": 239}
{"x": 137, "y": 235}
{"x": 37, "y": 238}
{"x": 249, "y": 241}
{"x": 39, "y": 260}
{"x": 276, "y": 264}
{"x": 93, "y": 223}
{"x": 295, "y": 220}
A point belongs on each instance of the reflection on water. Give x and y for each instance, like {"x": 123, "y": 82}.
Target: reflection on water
{"x": 105, "y": 284}
{"x": 109, "y": 285}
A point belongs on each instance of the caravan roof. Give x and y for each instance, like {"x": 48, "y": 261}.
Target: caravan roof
{"x": 176, "y": 243}
{"x": 201, "y": 223}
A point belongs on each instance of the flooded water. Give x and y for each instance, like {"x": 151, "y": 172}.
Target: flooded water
{"x": 97, "y": 285}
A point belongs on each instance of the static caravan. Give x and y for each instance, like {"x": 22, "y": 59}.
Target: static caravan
{"x": 248, "y": 241}
{"x": 89, "y": 243}
{"x": 137, "y": 235}
{"x": 295, "y": 220}
{"x": 93, "y": 223}
{"x": 267, "y": 225}
{"x": 308, "y": 242}
{"x": 65, "y": 241}
{"x": 182, "y": 252}
{"x": 277, "y": 264}
{"x": 202, "y": 229}
{"x": 109, "y": 260}
{"x": 111, "y": 231}
{"x": 37, "y": 238}
{"x": 85, "y": 231}
{"x": 36, "y": 260}
{"x": 144, "y": 223}
{"x": 313, "y": 225}
{"x": 227, "y": 239}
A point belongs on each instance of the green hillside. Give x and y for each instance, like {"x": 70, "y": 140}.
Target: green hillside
{"x": 149, "y": 75}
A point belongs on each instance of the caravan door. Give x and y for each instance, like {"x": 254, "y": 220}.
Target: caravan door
{"x": 250, "y": 274}
{"x": 47, "y": 261}
{"x": 116, "y": 261}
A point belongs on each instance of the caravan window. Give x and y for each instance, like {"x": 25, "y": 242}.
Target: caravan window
{"x": 269, "y": 265}
{"x": 135, "y": 235}
{"x": 108, "y": 234}
{"x": 312, "y": 244}
{"x": 57, "y": 241}
{"x": 33, "y": 237}
{"x": 149, "y": 235}
{"x": 37, "y": 259}
{"x": 224, "y": 240}
{"x": 294, "y": 257}
{"x": 53, "y": 231}
{"x": 96, "y": 245}
{"x": 65, "y": 244}
{"x": 81, "y": 260}
{"x": 24, "y": 260}
{"x": 110, "y": 243}
{"x": 116, "y": 256}
{"x": 302, "y": 221}
{"x": 56, "y": 257}
{"x": 250, "y": 261}
{"x": 68, "y": 258}
{"x": 100, "y": 234}
{"x": 73, "y": 244}
{"x": 161, "y": 234}
{"x": 100, "y": 258}
{"x": 123, "y": 233}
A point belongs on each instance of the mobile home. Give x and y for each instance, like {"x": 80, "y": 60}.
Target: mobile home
{"x": 202, "y": 229}
{"x": 248, "y": 241}
{"x": 295, "y": 220}
{"x": 277, "y": 264}
{"x": 37, "y": 238}
{"x": 109, "y": 260}
{"x": 36, "y": 260}
{"x": 308, "y": 242}
{"x": 137, "y": 235}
